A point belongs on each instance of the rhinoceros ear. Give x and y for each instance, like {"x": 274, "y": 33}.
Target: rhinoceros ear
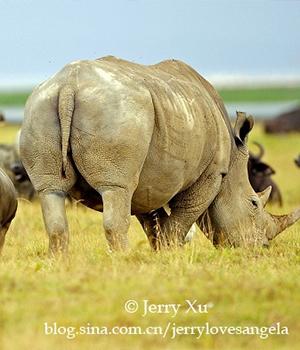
{"x": 243, "y": 125}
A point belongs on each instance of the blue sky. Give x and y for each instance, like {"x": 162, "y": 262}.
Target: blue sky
{"x": 259, "y": 37}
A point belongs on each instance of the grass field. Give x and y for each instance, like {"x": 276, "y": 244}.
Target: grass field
{"x": 17, "y": 98}
{"x": 245, "y": 287}
{"x": 267, "y": 94}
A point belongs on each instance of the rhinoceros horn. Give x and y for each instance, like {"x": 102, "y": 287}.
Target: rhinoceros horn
{"x": 281, "y": 222}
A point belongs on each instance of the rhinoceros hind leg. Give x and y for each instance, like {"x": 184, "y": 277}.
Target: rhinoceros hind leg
{"x": 116, "y": 215}
{"x": 54, "y": 213}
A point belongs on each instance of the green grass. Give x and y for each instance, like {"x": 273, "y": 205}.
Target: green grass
{"x": 13, "y": 98}
{"x": 247, "y": 287}
{"x": 267, "y": 94}
{"x": 261, "y": 94}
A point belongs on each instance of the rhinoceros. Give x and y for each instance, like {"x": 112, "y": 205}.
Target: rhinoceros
{"x": 8, "y": 205}
{"x": 126, "y": 138}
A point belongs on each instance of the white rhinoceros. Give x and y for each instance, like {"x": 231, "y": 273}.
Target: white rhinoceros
{"x": 130, "y": 139}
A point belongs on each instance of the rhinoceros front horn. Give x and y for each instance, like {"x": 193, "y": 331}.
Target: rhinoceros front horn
{"x": 281, "y": 222}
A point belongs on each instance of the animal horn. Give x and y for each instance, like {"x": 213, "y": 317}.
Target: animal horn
{"x": 264, "y": 195}
{"x": 282, "y": 222}
{"x": 261, "y": 150}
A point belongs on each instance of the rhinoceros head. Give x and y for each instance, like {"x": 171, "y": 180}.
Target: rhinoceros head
{"x": 237, "y": 216}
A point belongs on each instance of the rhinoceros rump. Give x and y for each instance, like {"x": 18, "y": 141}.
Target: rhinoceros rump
{"x": 130, "y": 139}
{"x": 8, "y": 205}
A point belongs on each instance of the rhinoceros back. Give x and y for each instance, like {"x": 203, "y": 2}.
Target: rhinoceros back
{"x": 186, "y": 135}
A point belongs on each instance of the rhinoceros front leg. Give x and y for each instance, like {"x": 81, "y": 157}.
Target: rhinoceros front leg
{"x": 54, "y": 214}
{"x": 188, "y": 206}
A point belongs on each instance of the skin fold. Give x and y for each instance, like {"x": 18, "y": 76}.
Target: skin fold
{"x": 125, "y": 139}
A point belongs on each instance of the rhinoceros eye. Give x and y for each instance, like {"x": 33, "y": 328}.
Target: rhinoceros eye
{"x": 254, "y": 202}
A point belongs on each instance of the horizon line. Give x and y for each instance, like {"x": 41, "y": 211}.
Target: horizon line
{"x": 219, "y": 80}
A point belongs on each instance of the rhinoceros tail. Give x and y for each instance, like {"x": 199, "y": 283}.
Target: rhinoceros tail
{"x": 66, "y": 103}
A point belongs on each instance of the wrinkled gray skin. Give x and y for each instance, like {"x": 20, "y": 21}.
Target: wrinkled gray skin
{"x": 130, "y": 139}
{"x": 8, "y": 205}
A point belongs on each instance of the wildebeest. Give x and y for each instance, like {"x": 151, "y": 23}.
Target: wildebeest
{"x": 131, "y": 139}
{"x": 297, "y": 161}
{"x": 285, "y": 122}
{"x": 260, "y": 175}
{"x": 10, "y": 163}
{"x": 8, "y": 205}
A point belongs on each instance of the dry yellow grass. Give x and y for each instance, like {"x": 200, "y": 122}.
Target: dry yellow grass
{"x": 246, "y": 287}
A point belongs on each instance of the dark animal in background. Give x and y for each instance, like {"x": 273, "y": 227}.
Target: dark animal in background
{"x": 19, "y": 171}
{"x": 2, "y": 118}
{"x": 284, "y": 123}
{"x": 297, "y": 161}
{"x": 10, "y": 163}
{"x": 260, "y": 175}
